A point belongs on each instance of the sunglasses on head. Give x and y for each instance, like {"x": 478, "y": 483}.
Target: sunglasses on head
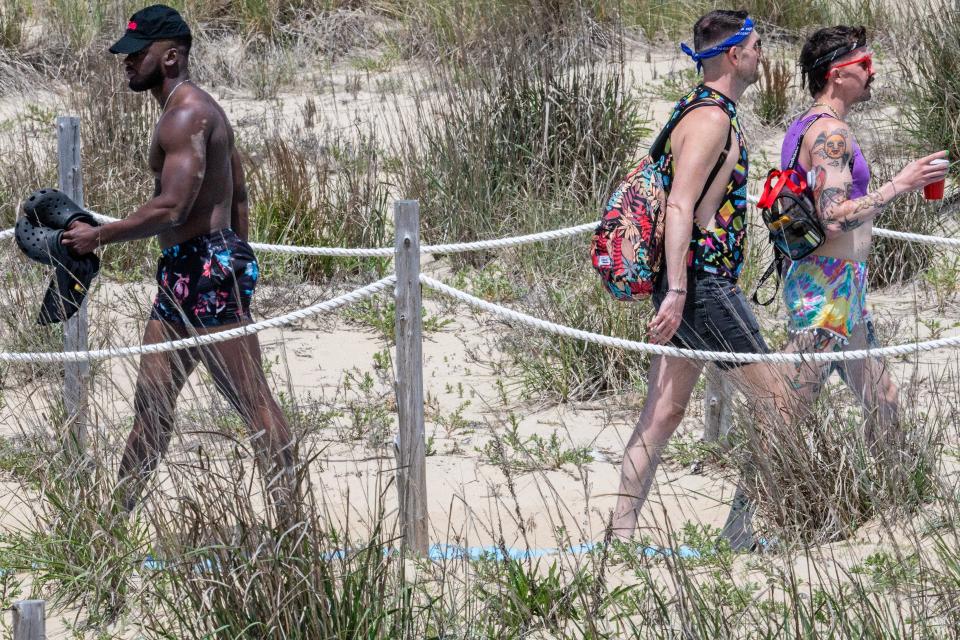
{"x": 865, "y": 61}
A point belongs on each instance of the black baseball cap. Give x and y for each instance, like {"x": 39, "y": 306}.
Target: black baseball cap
{"x": 156, "y": 22}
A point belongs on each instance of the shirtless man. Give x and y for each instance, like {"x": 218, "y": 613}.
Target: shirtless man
{"x": 698, "y": 302}
{"x": 207, "y": 272}
{"x": 825, "y": 293}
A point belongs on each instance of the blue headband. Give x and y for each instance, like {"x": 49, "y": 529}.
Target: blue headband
{"x": 716, "y": 50}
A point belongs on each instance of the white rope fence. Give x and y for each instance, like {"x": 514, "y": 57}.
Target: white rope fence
{"x": 211, "y": 338}
{"x": 500, "y": 243}
{"x": 543, "y": 325}
{"x": 386, "y": 252}
{"x": 690, "y": 354}
{"x": 463, "y": 247}
{"x": 916, "y": 237}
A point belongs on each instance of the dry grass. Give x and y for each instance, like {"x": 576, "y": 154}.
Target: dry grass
{"x": 521, "y": 124}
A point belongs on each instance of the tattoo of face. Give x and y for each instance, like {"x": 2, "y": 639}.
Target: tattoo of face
{"x": 835, "y": 146}
{"x": 832, "y": 147}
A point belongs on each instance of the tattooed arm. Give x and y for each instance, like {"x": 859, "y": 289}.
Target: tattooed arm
{"x": 830, "y": 154}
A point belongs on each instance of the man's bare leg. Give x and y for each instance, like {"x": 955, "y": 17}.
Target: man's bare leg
{"x": 237, "y": 369}
{"x": 159, "y": 381}
{"x": 870, "y": 381}
{"x": 669, "y": 385}
{"x": 773, "y": 401}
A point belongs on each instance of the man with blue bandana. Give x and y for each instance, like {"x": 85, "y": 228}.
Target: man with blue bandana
{"x": 698, "y": 302}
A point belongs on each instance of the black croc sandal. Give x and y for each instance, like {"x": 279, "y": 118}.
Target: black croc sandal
{"x": 52, "y": 208}
{"x": 68, "y": 287}
{"x": 41, "y": 244}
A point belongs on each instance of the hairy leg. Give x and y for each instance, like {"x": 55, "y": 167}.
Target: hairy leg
{"x": 159, "y": 381}
{"x": 777, "y": 395}
{"x": 238, "y": 372}
{"x": 871, "y": 382}
{"x": 670, "y": 383}
{"x": 805, "y": 379}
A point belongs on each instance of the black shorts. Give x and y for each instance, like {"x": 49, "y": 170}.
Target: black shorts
{"x": 716, "y": 317}
{"x": 206, "y": 281}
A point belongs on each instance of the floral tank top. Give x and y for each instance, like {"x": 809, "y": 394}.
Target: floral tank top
{"x": 719, "y": 250}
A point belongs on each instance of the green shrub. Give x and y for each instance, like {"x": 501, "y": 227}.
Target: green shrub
{"x": 526, "y": 145}
{"x": 467, "y": 31}
{"x": 819, "y": 479}
{"x": 929, "y": 86}
{"x": 663, "y": 18}
{"x": 522, "y": 595}
{"x": 512, "y": 452}
{"x": 561, "y": 287}
{"x": 317, "y": 192}
{"x": 773, "y": 99}
{"x": 788, "y": 15}
{"x": 13, "y": 17}
{"x": 78, "y": 549}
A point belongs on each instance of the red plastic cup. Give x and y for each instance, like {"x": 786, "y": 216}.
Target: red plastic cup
{"x": 934, "y": 190}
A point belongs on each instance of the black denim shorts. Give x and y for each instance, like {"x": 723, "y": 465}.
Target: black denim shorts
{"x": 716, "y": 317}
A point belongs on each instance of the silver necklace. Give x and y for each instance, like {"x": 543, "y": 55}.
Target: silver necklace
{"x": 172, "y": 91}
{"x": 828, "y": 108}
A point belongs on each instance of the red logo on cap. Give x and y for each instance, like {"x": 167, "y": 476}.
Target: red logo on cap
{"x": 132, "y": 26}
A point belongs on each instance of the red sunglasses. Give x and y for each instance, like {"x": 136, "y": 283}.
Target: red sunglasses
{"x": 865, "y": 61}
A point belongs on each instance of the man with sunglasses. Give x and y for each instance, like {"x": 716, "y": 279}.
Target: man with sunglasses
{"x": 826, "y": 292}
{"x": 207, "y": 272}
{"x": 698, "y": 302}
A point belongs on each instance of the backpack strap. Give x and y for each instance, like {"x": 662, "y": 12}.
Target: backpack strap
{"x": 716, "y": 168}
{"x": 660, "y": 144}
{"x": 806, "y": 128}
{"x": 775, "y": 268}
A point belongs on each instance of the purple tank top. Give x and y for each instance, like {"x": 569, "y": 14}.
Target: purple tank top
{"x": 859, "y": 167}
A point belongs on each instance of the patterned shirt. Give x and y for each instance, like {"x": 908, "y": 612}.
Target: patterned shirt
{"x": 719, "y": 250}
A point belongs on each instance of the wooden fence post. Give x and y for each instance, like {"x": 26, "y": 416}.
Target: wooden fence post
{"x": 29, "y": 621}
{"x": 717, "y": 405}
{"x": 411, "y": 454}
{"x": 76, "y": 374}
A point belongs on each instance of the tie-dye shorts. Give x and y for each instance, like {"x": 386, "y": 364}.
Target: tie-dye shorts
{"x": 826, "y": 295}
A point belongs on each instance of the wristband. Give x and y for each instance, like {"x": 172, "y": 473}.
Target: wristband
{"x": 677, "y": 290}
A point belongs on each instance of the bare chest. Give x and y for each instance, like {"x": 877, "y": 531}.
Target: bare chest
{"x": 156, "y": 156}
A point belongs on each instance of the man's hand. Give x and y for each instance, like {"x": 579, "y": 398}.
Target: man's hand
{"x": 668, "y": 318}
{"x": 920, "y": 173}
{"x": 81, "y": 238}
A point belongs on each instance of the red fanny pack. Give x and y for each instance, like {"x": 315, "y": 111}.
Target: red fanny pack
{"x": 790, "y": 215}
{"x": 776, "y": 181}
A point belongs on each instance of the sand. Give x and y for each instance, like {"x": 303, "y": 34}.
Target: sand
{"x": 469, "y": 500}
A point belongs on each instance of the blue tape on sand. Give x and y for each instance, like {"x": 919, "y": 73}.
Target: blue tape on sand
{"x": 442, "y": 551}
{"x": 453, "y": 552}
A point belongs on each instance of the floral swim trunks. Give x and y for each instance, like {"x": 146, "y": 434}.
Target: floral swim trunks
{"x": 206, "y": 281}
{"x": 827, "y": 296}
